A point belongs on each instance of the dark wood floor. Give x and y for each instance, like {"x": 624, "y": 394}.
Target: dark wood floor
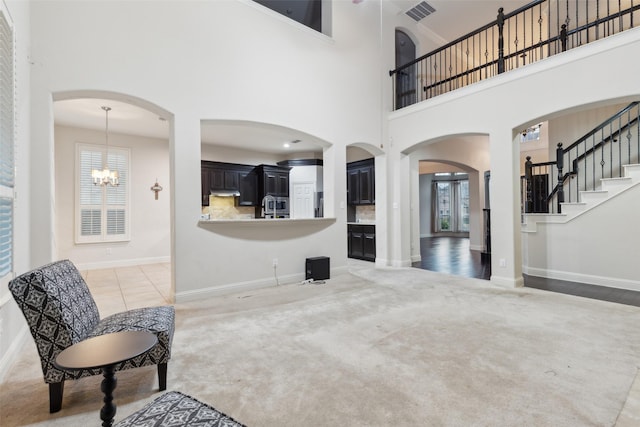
{"x": 452, "y": 255}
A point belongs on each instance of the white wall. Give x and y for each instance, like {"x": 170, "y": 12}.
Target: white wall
{"x": 220, "y": 153}
{"x": 304, "y": 174}
{"x": 569, "y": 127}
{"x": 598, "y": 247}
{"x": 489, "y": 107}
{"x": 150, "y": 219}
{"x": 425, "y": 191}
{"x": 211, "y": 61}
{"x": 13, "y": 328}
{"x": 355, "y": 154}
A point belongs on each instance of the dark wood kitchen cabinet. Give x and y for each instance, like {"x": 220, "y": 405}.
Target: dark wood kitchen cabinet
{"x": 229, "y": 177}
{"x": 273, "y": 180}
{"x": 361, "y": 189}
{"x": 205, "y": 178}
{"x": 361, "y": 241}
{"x": 224, "y": 179}
{"x": 248, "y": 187}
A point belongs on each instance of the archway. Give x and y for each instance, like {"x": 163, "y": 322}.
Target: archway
{"x": 366, "y": 176}
{"x": 405, "y": 52}
{"x": 138, "y": 252}
{"x": 455, "y": 154}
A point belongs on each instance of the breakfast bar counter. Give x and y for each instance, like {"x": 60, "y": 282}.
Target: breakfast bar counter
{"x": 268, "y": 222}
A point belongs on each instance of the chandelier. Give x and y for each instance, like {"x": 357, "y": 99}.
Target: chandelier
{"x": 105, "y": 176}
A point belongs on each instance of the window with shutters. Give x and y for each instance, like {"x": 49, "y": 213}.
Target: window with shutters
{"x": 102, "y": 211}
{"x": 7, "y": 141}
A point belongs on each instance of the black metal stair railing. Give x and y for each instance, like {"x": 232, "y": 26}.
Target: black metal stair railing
{"x": 533, "y": 32}
{"x": 600, "y": 153}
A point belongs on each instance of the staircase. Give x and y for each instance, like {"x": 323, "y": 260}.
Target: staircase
{"x": 609, "y": 188}
{"x": 592, "y": 241}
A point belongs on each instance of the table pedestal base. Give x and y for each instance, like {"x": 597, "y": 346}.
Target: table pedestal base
{"x": 108, "y": 411}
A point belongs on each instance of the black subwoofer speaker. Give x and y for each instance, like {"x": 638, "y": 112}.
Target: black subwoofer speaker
{"x": 317, "y": 268}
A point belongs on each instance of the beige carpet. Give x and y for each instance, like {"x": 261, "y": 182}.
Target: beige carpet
{"x": 381, "y": 347}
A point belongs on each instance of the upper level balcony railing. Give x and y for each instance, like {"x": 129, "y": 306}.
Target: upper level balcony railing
{"x": 533, "y": 32}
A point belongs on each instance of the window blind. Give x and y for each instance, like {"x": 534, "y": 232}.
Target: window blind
{"x": 103, "y": 211}
{"x": 117, "y": 196}
{"x": 6, "y": 235}
{"x": 7, "y": 141}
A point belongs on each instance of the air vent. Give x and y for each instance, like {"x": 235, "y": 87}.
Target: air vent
{"x": 420, "y": 11}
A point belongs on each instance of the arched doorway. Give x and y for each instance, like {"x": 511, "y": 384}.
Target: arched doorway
{"x": 124, "y": 251}
{"x": 445, "y": 212}
{"x": 449, "y": 197}
{"x": 406, "y": 78}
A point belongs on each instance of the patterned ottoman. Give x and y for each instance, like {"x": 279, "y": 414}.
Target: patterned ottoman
{"x": 177, "y": 409}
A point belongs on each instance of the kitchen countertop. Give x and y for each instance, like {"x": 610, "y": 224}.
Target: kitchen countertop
{"x": 262, "y": 221}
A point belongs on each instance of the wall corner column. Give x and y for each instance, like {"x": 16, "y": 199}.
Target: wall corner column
{"x": 504, "y": 195}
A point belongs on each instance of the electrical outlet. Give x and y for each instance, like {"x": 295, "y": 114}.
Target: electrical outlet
{"x": 503, "y": 262}
{"x": 108, "y": 251}
{"x": 275, "y": 262}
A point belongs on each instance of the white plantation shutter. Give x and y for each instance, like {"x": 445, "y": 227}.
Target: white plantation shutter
{"x": 90, "y": 195}
{"x": 117, "y": 196}
{"x": 6, "y": 235}
{"x": 7, "y": 141}
{"x": 103, "y": 211}
{"x": 91, "y": 222}
{"x": 115, "y": 221}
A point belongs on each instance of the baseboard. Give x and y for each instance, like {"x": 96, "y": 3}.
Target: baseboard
{"x": 568, "y": 276}
{"x": 507, "y": 282}
{"x": 250, "y": 285}
{"x": 401, "y": 263}
{"x": 381, "y": 262}
{"x": 416, "y": 258}
{"x": 123, "y": 263}
{"x": 13, "y": 352}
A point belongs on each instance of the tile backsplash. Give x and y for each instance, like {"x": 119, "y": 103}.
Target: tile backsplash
{"x": 365, "y": 213}
{"x": 225, "y": 208}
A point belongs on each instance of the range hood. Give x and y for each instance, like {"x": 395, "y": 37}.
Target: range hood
{"x": 225, "y": 193}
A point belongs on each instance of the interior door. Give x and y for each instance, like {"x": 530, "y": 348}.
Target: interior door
{"x": 303, "y": 197}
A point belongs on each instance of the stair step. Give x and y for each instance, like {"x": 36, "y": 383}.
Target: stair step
{"x": 615, "y": 185}
{"x": 632, "y": 171}
{"x": 570, "y": 208}
{"x": 531, "y": 220}
{"x": 593, "y": 196}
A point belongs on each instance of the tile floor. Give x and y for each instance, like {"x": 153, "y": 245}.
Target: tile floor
{"x": 124, "y": 288}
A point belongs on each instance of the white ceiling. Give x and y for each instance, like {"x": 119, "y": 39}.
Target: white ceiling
{"x": 123, "y": 117}
{"x": 451, "y": 19}
{"x": 129, "y": 119}
{"x": 455, "y": 18}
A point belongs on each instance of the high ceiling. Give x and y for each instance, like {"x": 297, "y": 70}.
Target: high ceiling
{"x": 451, "y": 19}
{"x": 455, "y": 18}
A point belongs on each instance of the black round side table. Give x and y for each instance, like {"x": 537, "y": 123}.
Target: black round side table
{"x": 105, "y": 352}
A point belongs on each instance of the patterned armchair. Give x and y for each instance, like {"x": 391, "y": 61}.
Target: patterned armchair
{"x": 60, "y": 311}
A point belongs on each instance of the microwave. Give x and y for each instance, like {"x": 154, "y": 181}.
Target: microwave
{"x": 281, "y": 205}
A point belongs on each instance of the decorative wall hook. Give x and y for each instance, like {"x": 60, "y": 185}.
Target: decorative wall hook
{"x": 156, "y": 188}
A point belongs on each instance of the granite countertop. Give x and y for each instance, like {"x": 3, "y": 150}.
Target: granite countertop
{"x": 263, "y": 221}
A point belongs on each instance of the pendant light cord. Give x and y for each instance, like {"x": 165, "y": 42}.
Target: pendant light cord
{"x": 106, "y": 156}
